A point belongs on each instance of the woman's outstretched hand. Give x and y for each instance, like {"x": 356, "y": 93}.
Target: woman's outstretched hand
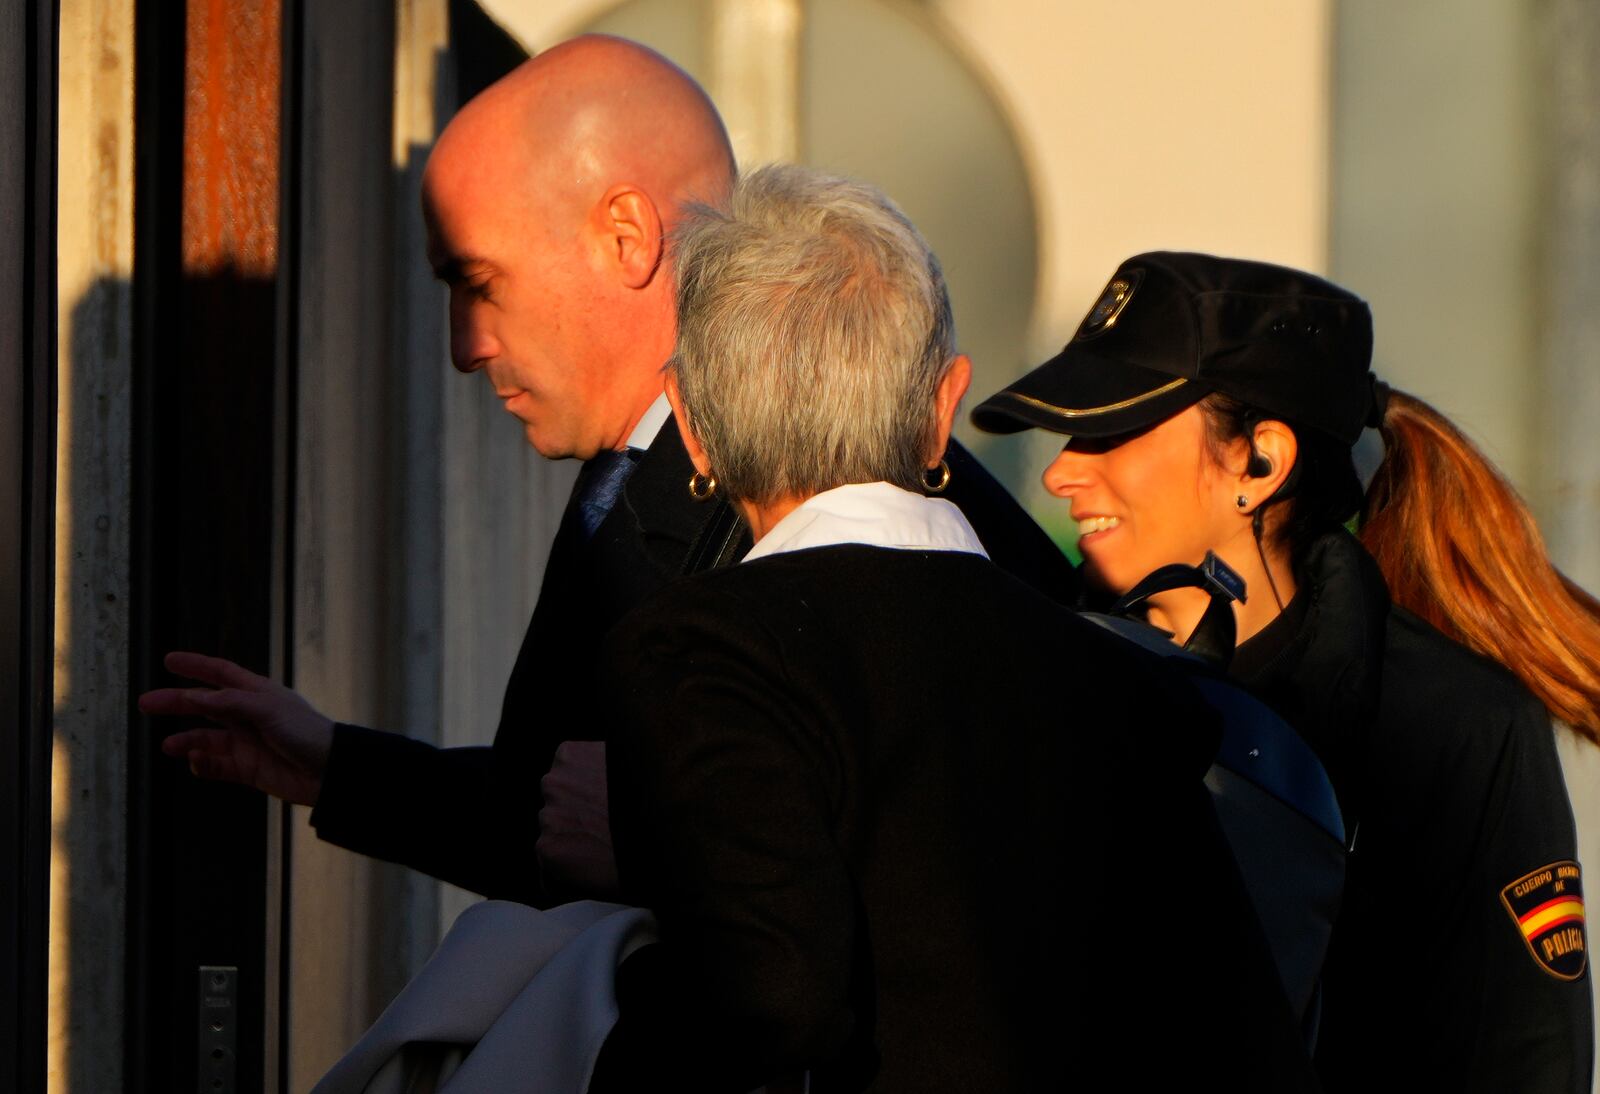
{"x": 269, "y": 737}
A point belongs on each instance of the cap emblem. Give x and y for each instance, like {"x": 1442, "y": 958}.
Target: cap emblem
{"x": 1547, "y": 907}
{"x": 1103, "y": 316}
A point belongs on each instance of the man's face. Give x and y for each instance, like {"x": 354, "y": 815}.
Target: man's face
{"x": 524, "y": 303}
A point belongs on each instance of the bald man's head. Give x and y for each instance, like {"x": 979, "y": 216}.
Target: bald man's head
{"x": 547, "y": 198}
{"x": 591, "y": 112}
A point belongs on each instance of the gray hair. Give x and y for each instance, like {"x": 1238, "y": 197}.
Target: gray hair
{"x": 813, "y": 330}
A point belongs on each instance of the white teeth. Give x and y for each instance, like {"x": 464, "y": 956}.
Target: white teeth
{"x": 1097, "y": 524}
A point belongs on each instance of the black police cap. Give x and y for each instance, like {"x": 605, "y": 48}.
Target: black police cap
{"x": 1171, "y": 328}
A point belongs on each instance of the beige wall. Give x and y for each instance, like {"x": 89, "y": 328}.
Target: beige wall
{"x": 1568, "y": 69}
{"x": 88, "y": 867}
{"x": 1464, "y": 209}
{"x": 1159, "y": 125}
{"x": 1435, "y": 186}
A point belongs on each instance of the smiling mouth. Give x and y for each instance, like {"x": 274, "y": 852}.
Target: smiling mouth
{"x": 1088, "y": 526}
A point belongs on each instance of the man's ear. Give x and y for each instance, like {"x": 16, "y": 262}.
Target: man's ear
{"x": 629, "y": 228}
{"x": 946, "y": 399}
{"x": 691, "y": 443}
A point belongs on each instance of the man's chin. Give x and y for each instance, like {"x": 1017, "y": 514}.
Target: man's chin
{"x": 553, "y": 447}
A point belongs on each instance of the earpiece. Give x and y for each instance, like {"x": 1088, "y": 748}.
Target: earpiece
{"x": 1259, "y": 466}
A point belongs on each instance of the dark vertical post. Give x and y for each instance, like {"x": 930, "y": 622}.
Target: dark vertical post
{"x": 209, "y": 506}
{"x": 152, "y": 982}
{"x": 27, "y": 515}
{"x": 284, "y": 401}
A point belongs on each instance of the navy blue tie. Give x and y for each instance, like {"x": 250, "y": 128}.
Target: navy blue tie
{"x": 600, "y": 484}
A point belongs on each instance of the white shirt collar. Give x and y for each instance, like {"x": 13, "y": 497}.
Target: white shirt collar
{"x": 651, "y": 423}
{"x": 873, "y": 513}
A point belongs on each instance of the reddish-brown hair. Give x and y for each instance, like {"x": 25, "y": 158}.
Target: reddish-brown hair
{"x": 1459, "y": 548}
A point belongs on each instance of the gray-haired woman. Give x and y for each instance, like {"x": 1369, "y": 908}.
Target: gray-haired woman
{"x": 906, "y": 824}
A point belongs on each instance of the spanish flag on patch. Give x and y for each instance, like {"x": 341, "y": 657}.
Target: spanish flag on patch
{"x": 1547, "y": 906}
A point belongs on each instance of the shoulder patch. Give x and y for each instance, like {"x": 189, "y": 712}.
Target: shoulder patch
{"x": 1547, "y": 907}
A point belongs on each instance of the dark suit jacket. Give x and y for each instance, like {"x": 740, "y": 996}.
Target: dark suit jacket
{"x": 910, "y": 825}
{"x": 471, "y": 815}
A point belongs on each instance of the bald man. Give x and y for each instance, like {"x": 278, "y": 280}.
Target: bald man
{"x": 547, "y": 200}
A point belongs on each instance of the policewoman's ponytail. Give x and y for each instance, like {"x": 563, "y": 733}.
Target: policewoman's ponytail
{"x": 1458, "y": 547}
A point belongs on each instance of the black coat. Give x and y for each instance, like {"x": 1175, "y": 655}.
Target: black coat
{"x": 1447, "y": 771}
{"x": 471, "y": 815}
{"x": 910, "y": 826}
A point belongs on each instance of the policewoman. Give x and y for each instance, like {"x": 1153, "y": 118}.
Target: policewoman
{"x": 1213, "y": 404}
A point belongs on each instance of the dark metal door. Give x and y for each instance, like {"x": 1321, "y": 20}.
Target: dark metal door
{"x": 210, "y": 443}
{"x": 27, "y": 512}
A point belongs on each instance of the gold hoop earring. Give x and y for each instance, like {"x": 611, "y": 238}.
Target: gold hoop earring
{"x": 935, "y": 479}
{"x": 701, "y": 486}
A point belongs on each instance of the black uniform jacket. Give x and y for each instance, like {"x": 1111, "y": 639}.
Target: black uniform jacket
{"x": 910, "y": 826}
{"x": 1447, "y": 772}
{"x": 471, "y": 815}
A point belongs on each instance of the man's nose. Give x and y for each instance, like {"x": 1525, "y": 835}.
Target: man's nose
{"x": 472, "y": 344}
{"x": 1067, "y": 473}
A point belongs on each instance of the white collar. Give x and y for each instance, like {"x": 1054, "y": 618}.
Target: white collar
{"x": 649, "y": 425}
{"x": 877, "y": 514}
